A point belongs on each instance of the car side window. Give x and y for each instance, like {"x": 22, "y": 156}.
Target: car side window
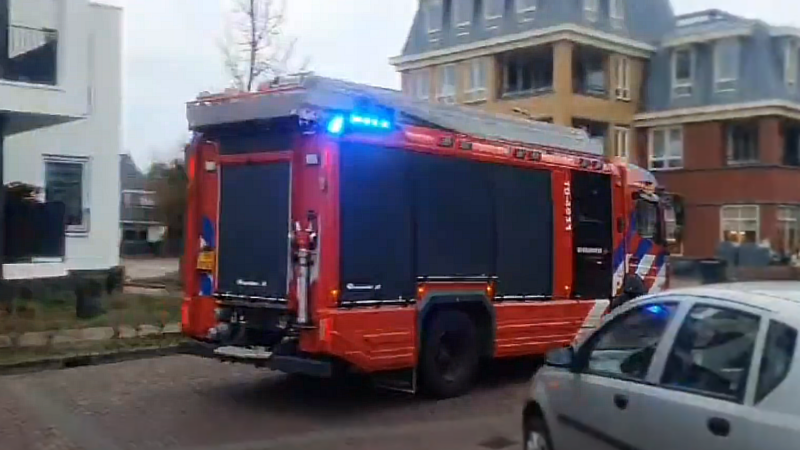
{"x": 712, "y": 352}
{"x": 625, "y": 346}
{"x": 776, "y": 359}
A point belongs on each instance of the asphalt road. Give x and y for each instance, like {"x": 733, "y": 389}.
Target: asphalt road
{"x": 188, "y": 403}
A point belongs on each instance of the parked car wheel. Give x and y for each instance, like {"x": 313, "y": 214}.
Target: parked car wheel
{"x": 537, "y": 436}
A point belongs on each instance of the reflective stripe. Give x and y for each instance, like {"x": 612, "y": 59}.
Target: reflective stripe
{"x": 592, "y": 320}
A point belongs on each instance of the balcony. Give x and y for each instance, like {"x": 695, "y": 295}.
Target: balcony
{"x": 30, "y": 56}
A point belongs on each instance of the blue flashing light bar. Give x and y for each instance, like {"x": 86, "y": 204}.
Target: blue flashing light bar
{"x": 337, "y": 123}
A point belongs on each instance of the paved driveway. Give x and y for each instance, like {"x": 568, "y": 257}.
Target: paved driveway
{"x": 144, "y": 268}
{"x": 187, "y": 403}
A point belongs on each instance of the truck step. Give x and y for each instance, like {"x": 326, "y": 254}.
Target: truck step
{"x": 399, "y": 380}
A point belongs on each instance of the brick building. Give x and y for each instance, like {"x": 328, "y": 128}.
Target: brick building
{"x": 708, "y": 101}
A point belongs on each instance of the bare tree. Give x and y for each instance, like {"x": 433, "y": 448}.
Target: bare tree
{"x": 255, "y": 46}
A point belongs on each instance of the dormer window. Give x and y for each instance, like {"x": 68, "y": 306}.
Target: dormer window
{"x": 616, "y": 13}
{"x": 493, "y": 9}
{"x": 462, "y": 12}
{"x": 726, "y": 64}
{"x": 524, "y": 6}
{"x": 591, "y": 9}
{"x": 790, "y": 61}
{"x": 682, "y": 72}
{"x": 434, "y": 15}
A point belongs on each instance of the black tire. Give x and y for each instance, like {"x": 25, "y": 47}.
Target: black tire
{"x": 536, "y": 424}
{"x": 448, "y": 361}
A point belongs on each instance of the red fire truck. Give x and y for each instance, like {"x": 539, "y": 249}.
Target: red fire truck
{"x": 334, "y": 226}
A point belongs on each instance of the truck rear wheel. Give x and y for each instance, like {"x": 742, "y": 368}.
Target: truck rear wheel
{"x": 449, "y": 358}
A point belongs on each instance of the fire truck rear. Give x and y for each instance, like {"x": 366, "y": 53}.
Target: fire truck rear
{"x": 339, "y": 227}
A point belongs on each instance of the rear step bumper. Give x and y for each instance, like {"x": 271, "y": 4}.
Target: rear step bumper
{"x": 287, "y": 364}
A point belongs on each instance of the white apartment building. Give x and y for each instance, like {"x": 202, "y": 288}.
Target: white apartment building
{"x": 61, "y": 114}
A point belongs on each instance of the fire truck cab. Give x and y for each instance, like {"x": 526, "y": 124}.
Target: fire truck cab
{"x": 334, "y": 226}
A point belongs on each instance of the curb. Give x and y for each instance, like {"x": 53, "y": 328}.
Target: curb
{"x": 39, "y": 339}
{"x": 90, "y": 359}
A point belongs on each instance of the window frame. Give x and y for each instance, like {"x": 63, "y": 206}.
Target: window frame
{"x": 441, "y": 95}
{"x": 791, "y": 63}
{"x": 522, "y": 8}
{"x": 755, "y": 357}
{"x": 719, "y": 54}
{"x": 786, "y": 222}
{"x": 616, "y": 13}
{"x": 488, "y": 4}
{"x": 431, "y": 6}
{"x": 622, "y": 66}
{"x": 686, "y": 82}
{"x": 477, "y": 93}
{"x": 622, "y": 135}
{"x": 591, "y": 10}
{"x": 729, "y": 144}
{"x": 456, "y": 7}
{"x": 585, "y": 348}
{"x": 667, "y": 131}
{"x": 419, "y": 78}
{"x": 761, "y": 351}
{"x": 722, "y": 219}
{"x": 84, "y": 161}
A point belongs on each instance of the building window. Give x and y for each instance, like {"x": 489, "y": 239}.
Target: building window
{"x": 477, "y": 81}
{"x": 419, "y": 84}
{"x": 622, "y": 69}
{"x": 742, "y": 143}
{"x": 622, "y": 142}
{"x": 726, "y": 64}
{"x": 790, "y": 60}
{"x": 493, "y": 9}
{"x": 434, "y": 15}
{"x": 447, "y": 84}
{"x": 682, "y": 72}
{"x": 527, "y": 5}
{"x": 591, "y": 9}
{"x": 740, "y": 224}
{"x": 590, "y": 71}
{"x": 789, "y": 226}
{"x": 66, "y": 181}
{"x": 528, "y": 73}
{"x": 462, "y": 12}
{"x": 616, "y": 13}
{"x": 666, "y": 148}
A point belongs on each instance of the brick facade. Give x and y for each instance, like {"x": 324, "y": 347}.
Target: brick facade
{"x": 707, "y": 182}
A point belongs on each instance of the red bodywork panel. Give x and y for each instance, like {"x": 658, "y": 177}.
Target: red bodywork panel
{"x": 386, "y": 337}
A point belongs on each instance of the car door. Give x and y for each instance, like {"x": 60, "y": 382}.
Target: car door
{"x": 598, "y": 405}
{"x": 702, "y": 386}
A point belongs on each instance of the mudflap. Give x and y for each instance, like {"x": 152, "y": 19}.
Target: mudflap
{"x": 259, "y": 357}
{"x": 398, "y": 380}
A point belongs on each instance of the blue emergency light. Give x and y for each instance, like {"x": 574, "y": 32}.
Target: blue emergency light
{"x": 358, "y": 121}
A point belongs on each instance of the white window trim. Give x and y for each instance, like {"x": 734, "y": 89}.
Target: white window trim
{"x": 476, "y": 94}
{"x": 591, "y": 10}
{"x": 526, "y": 8}
{"x": 428, "y": 6}
{"x": 623, "y": 91}
{"x": 622, "y": 135}
{"x": 717, "y": 63}
{"x": 486, "y": 7}
{"x": 676, "y": 83}
{"x": 722, "y": 220}
{"x": 616, "y": 13}
{"x": 85, "y": 161}
{"x": 449, "y": 97}
{"x": 454, "y": 9}
{"x": 791, "y": 56}
{"x": 651, "y": 143}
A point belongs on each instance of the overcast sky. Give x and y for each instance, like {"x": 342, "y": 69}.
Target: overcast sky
{"x": 171, "y": 54}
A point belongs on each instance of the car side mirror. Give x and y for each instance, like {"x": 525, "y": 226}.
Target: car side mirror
{"x": 561, "y": 357}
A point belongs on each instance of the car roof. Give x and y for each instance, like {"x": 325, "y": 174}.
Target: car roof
{"x": 779, "y": 297}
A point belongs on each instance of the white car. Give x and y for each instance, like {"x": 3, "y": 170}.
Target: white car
{"x": 705, "y": 368}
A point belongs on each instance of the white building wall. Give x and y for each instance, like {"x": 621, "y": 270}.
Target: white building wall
{"x": 98, "y": 138}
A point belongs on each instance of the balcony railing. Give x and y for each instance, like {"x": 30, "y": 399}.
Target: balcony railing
{"x": 32, "y": 55}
